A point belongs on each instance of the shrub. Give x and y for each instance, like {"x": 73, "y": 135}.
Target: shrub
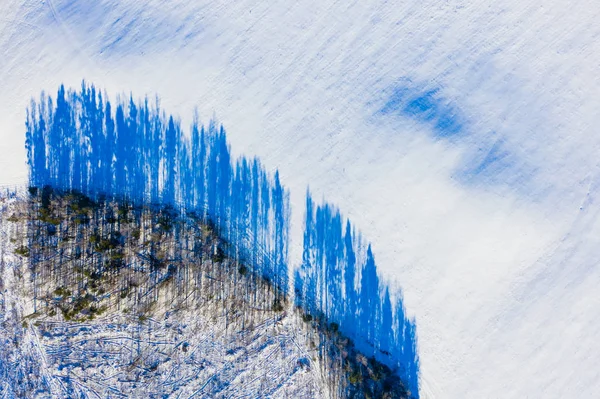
{"x": 23, "y": 251}
{"x": 136, "y": 233}
{"x": 277, "y": 306}
{"x": 355, "y": 377}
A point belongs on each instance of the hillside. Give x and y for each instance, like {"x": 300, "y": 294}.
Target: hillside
{"x": 104, "y": 298}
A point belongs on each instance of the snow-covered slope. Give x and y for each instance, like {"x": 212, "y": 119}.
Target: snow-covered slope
{"x": 110, "y": 299}
{"x": 76, "y": 329}
{"x": 460, "y": 138}
{"x": 186, "y": 356}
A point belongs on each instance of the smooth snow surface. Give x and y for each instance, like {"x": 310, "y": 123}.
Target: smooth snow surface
{"x": 459, "y": 137}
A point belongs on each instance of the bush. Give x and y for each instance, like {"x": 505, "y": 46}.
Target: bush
{"x": 136, "y": 233}
{"x": 355, "y": 377}
{"x": 219, "y": 256}
{"x": 47, "y": 217}
{"x": 23, "y": 251}
{"x": 62, "y": 291}
{"x": 277, "y": 306}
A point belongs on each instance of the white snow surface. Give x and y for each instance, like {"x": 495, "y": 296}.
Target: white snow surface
{"x": 498, "y": 265}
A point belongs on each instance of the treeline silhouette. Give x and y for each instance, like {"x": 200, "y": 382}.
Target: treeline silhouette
{"x": 134, "y": 151}
{"x": 338, "y": 281}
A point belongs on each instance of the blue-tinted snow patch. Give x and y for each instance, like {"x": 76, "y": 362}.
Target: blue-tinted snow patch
{"x": 487, "y": 158}
{"x": 114, "y": 29}
{"x": 494, "y": 163}
{"x": 495, "y": 160}
{"x": 426, "y": 106}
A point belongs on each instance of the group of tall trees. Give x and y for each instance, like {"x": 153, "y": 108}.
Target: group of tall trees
{"x": 82, "y": 142}
{"x": 132, "y": 150}
{"x": 338, "y": 280}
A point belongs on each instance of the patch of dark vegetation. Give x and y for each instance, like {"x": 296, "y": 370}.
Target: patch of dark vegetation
{"x": 22, "y": 250}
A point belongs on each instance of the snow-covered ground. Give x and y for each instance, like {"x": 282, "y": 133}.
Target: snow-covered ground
{"x": 460, "y": 138}
{"x": 172, "y": 349}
